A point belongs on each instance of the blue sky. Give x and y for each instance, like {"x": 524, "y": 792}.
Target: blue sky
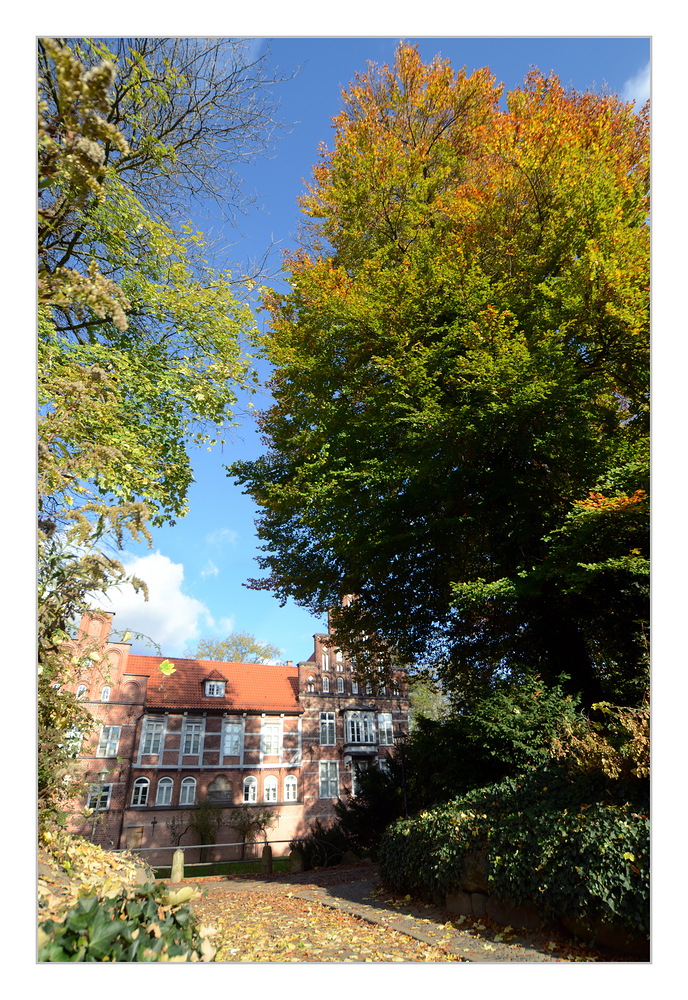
{"x": 196, "y": 570}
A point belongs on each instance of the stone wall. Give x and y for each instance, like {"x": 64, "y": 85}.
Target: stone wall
{"x": 473, "y": 899}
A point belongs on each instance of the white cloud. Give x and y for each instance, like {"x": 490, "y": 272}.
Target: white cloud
{"x": 637, "y": 89}
{"x": 169, "y": 617}
{"x": 225, "y": 536}
{"x": 210, "y": 569}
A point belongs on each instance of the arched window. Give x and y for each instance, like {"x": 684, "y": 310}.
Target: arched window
{"x": 187, "y": 795}
{"x": 290, "y": 788}
{"x": 326, "y": 659}
{"x": 250, "y": 789}
{"x": 105, "y": 694}
{"x": 139, "y": 795}
{"x": 368, "y": 688}
{"x": 163, "y": 795}
{"x": 80, "y": 692}
{"x": 270, "y": 788}
{"x": 340, "y": 685}
{"x": 310, "y": 684}
{"x": 326, "y": 684}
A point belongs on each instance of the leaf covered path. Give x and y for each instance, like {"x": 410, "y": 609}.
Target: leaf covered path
{"x": 343, "y": 915}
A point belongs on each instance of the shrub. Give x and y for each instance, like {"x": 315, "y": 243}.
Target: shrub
{"x": 363, "y": 818}
{"x": 322, "y": 847}
{"x": 569, "y": 845}
{"x": 143, "y": 924}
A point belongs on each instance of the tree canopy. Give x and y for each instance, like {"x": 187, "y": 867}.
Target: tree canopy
{"x": 238, "y": 647}
{"x": 140, "y": 339}
{"x": 459, "y": 434}
{"x": 141, "y": 342}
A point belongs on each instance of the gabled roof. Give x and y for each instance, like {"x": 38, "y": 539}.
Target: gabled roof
{"x": 249, "y": 686}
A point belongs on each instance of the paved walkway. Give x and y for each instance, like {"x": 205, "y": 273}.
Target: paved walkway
{"x": 357, "y": 892}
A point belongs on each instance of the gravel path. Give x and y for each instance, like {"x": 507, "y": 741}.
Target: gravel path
{"x": 344, "y": 914}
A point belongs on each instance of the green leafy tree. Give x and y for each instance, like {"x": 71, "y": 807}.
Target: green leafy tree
{"x": 518, "y": 723}
{"x": 205, "y": 821}
{"x": 250, "y": 822}
{"x": 139, "y": 337}
{"x": 427, "y": 700}
{"x": 459, "y": 435}
{"x": 239, "y": 647}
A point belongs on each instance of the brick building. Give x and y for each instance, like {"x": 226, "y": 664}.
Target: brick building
{"x": 292, "y": 739}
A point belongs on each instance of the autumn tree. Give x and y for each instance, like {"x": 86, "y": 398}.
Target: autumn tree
{"x": 140, "y": 340}
{"x": 238, "y": 647}
{"x": 459, "y": 433}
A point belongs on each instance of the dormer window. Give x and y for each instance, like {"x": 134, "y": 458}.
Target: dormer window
{"x": 214, "y": 689}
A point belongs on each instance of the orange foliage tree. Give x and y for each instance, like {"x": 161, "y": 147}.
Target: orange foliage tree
{"x": 460, "y": 373}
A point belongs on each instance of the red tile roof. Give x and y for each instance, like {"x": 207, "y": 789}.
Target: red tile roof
{"x": 249, "y": 686}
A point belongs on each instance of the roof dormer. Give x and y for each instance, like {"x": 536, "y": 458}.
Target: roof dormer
{"x": 214, "y": 685}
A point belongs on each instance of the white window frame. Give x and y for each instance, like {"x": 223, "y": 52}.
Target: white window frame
{"x": 339, "y": 664}
{"x": 326, "y": 684}
{"x": 385, "y": 729}
{"x": 153, "y": 735}
{"x": 99, "y": 797}
{"x": 232, "y": 736}
{"x": 360, "y": 727}
{"x": 164, "y": 792}
{"x": 80, "y": 692}
{"x": 328, "y": 779}
{"x": 325, "y": 659}
{"x": 214, "y": 689}
{"x": 340, "y": 685}
{"x": 270, "y": 789}
{"x": 108, "y": 742}
{"x": 354, "y": 687}
{"x": 271, "y": 739}
{"x": 328, "y": 729}
{"x": 105, "y": 693}
{"x": 250, "y": 789}
{"x": 291, "y": 788}
{"x": 192, "y": 737}
{"x": 186, "y": 785}
{"x": 310, "y": 685}
{"x": 140, "y": 791}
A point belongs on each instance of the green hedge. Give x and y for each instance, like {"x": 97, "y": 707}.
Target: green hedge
{"x": 568, "y": 845}
{"x": 145, "y": 924}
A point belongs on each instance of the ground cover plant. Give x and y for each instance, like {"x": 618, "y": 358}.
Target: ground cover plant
{"x": 141, "y": 924}
{"x": 568, "y": 843}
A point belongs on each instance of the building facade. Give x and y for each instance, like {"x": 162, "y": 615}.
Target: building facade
{"x": 291, "y": 739}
